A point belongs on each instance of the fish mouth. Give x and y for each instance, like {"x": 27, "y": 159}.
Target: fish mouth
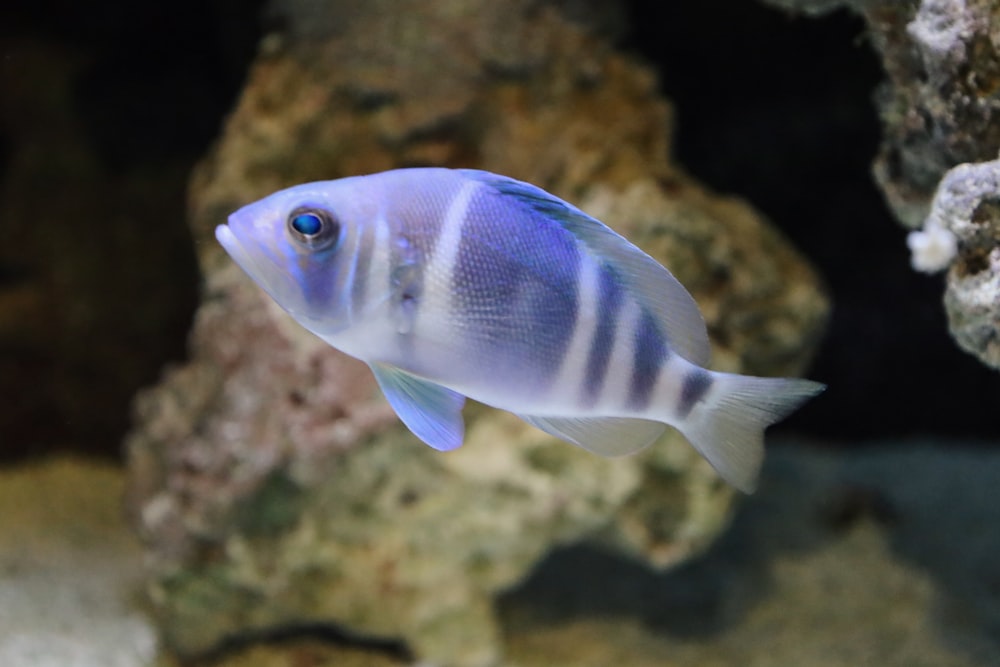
{"x": 270, "y": 277}
{"x": 255, "y": 263}
{"x": 232, "y": 244}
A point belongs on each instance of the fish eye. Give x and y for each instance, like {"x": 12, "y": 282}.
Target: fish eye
{"x": 314, "y": 228}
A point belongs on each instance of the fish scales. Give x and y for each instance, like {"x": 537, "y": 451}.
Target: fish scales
{"x": 460, "y": 283}
{"x": 514, "y": 292}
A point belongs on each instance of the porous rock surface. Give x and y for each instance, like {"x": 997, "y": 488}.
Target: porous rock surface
{"x": 273, "y": 486}
{"x": 940, "y": 106}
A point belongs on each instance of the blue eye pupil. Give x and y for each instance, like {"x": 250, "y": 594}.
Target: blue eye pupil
{"x": 313, "y": 228}
{"x": 307, "y": 224}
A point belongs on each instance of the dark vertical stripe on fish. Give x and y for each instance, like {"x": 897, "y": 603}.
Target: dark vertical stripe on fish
{"x": 697, "y": 381}
{"x": 413, "y": 239}
{"x": 406, "y": 281}
{"x": 649, "y": 354}
{"x": 610, "y": 299}
{"x": 515, "y": 285}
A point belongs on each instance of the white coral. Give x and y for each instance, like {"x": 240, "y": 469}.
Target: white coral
{"x": 932, "y": 248}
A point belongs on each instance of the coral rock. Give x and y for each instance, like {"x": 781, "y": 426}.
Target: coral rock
{"x": 939, "y": 108}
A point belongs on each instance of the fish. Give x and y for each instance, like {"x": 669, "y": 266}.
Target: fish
{"x": 459, "y": 283}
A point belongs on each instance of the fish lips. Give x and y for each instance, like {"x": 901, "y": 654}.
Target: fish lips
{"x": 255, "y": 261}
{"x": 239, "y": 252}
{"x": 270, "y": 274}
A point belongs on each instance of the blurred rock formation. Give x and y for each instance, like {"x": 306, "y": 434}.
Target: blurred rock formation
{"x": 270, "y": 481}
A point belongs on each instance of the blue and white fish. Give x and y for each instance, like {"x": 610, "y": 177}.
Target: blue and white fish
{"x": 461, "y": 283}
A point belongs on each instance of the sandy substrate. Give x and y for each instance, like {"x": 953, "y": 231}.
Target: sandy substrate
{"x": 885, "y": 556}
{"x": 69, "y": 569}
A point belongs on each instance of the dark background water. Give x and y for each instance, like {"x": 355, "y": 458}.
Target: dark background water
{"x": 104, "y": 108}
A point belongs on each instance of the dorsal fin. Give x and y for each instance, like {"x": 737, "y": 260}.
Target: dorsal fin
{"x": 655, "y": 288}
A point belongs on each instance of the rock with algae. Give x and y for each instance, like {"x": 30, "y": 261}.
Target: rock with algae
{"x": 271, "y": 482}
{"x": 967, "y": 204}
{"x": 939, "y": 107}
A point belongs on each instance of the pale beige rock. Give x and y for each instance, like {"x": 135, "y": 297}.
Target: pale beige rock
{"x": 70, "y": 572}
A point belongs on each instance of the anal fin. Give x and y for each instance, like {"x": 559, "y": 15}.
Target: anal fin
{"x": 607, "y": 436}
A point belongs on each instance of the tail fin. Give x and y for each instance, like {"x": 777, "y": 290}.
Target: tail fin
{"x": 728, "y": 427}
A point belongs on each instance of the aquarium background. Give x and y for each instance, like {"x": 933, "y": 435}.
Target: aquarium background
{"x": 881, "y": 491}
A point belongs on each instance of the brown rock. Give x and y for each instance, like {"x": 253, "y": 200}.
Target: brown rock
{"x": 273, "y": 485}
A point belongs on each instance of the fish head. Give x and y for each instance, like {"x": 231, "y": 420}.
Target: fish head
{"x": 299, "y": 245}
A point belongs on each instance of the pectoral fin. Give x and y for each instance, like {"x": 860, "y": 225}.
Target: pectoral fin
{"x": 607, "y": 436}
{"x": 432, "y": 412}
